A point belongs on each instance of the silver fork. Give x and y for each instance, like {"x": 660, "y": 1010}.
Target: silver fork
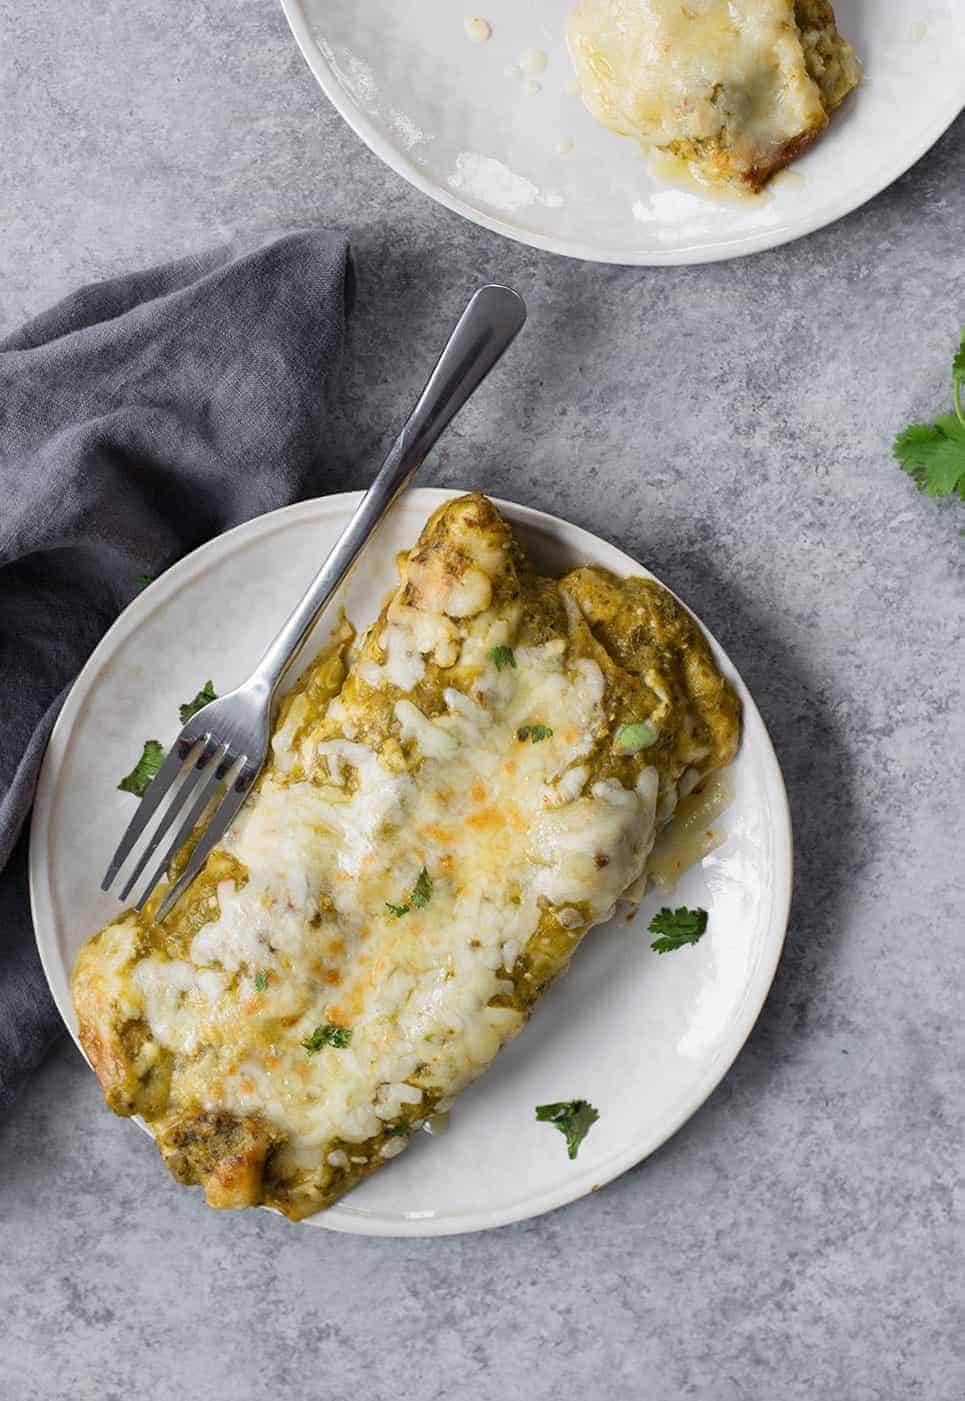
{"x": 219, "y": 752}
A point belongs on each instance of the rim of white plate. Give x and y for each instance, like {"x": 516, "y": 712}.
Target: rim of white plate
{"x": 741, "y": 246}
{"x": 339, "y": 1217}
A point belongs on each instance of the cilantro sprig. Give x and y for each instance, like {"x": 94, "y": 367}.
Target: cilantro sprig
{"x": 204, "y": 697}
{"x": 422, "y": 891}
{"x": 933, "y": 454}
{"x": 328, "y": 1035}
{"x": 151, "y": 759}
{"x": 573, "y": 1117}
{"x": 261, "y": 981}
{"x": 535, "y": 733}
{"x": 958, "y": 377}
{"x": 420, "y": 897}
{"x": 676, "y": 928}
{"x": 154, "y": 753}
{"x": 501, "y": 657}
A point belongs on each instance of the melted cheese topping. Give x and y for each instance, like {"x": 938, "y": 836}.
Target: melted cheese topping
{"x": 728, "y": 73}
{"x": 504, "y": 828}
{"x": 433, "y": 835}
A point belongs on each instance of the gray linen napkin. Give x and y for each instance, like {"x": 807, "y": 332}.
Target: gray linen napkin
{"x": 138, "y": 418}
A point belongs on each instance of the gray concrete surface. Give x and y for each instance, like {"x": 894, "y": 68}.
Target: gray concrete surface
{"x": 729, "y": 425}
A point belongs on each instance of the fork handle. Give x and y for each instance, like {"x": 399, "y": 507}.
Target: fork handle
{"x": 492, "y": 320}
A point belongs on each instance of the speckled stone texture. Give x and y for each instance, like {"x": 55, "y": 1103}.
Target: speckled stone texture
{"x": 730, "y": 426}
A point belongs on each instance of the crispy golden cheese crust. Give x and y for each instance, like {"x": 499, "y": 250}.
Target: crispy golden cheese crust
{"x": 134, "y": 1072}
{"x": 623, "y": 650}
{"x": 223, "y": 1152}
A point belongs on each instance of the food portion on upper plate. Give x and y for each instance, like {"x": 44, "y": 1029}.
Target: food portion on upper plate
{"x": 447, "y": 810}
{"x": 733, "y": 89}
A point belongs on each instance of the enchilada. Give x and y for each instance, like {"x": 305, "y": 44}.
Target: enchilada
{"x": 440, "y": 823}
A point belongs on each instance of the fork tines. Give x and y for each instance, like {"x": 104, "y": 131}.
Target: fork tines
{"x": 201, "y": 768}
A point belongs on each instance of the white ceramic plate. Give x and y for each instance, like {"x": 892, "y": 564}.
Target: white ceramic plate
{"x": 442, "y": 112}
{"x": 644, "y": 1038}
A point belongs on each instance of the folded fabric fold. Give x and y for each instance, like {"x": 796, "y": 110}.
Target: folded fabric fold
{"x": 138, "y": 418}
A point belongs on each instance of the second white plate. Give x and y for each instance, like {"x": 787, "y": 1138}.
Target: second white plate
{"x": 444, "y": 113}
{"x": 644, "y": 1038}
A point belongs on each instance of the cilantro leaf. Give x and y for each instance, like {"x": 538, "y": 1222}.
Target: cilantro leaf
{"x": 422, "y": 891}
{"x": 153, "y": 756}
{"x": 400, "y": 1130}
{"x": 934, "y": 455}
{"x": 204, "y": 697}
{"x": 536, "y": 733}
{"x": 502, "y": 657}
{"x": 261, "y": 981}
{"x": 574, "y": 1118}
{"x": 151, "y": 759}
{"x": 328, "y": 1035}
{"x": 677, "y": 928}
{"x": 420, "y": 897}
{"x": 145, "y": 579}
{"x": 958, "y": 377}
{"x": 630, "y": 739}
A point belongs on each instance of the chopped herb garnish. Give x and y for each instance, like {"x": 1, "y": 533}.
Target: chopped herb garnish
{"x": 400, "y": 1130}
{"x": 677, "y": 928}
{"x": 153, "y": 756}
{"x": 204, "y": 697}
{"x": 958, "y": 377}
{"x": 933, "y": 454}
{"x": 422, "y": 890}
{"x": 574, "y": 1118}
{"x": 536, "y": 733}
{"x": 145, "y": 579}
{"x": 261, "y": 981}
{"x": 420, "y": 897}
{"x": 328, "y": 1035}
{"x": 630, "y": 739}
{"x": 502, "y": 657}
{"x": 137, "y": 780}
